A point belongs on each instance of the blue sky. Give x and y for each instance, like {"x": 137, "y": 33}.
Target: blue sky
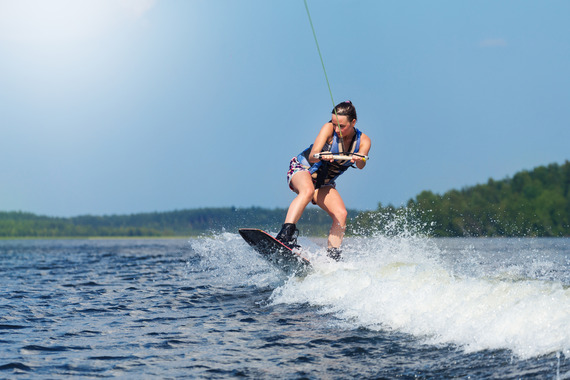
{"x": 125, "y": 106}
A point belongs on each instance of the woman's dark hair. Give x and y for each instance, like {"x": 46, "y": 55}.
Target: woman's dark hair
{"x": 345, "y": 109}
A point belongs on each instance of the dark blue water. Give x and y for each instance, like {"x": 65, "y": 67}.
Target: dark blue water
{"x": 211, "y": 308}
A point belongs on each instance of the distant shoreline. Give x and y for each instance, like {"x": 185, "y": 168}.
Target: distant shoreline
{"x": 96, "y": 237}
{"x": 169, "y": 224}
{"x": 530, "y": 204}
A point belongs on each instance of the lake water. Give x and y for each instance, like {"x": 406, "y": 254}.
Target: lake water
{"x": 400, "y": 306}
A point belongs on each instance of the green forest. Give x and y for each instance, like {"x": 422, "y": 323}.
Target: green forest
{"x": 531, "y": 203}
{"x": 314, "y": 222}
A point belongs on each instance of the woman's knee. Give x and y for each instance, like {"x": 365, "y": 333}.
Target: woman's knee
{"x": 340, "y": 215}
{"x": 302, "y": 184}
{"x": 306, "y": 194}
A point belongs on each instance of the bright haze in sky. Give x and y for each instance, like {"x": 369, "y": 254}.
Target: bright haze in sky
{"x": 125, "y": 106}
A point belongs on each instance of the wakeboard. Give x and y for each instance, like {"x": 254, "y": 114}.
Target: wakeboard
{"x": 288, "y": 260}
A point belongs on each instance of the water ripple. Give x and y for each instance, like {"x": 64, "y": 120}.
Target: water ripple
{"x": 167, "y": 309}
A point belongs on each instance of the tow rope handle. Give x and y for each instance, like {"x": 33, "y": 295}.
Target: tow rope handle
{"x": 340, "y": 157}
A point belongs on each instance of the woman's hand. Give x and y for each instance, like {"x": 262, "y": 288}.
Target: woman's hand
{"x": 326, "y": 156}
{"x": 355, "y": 158}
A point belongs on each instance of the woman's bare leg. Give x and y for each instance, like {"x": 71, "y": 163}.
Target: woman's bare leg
{"x": 302, "y": 184}
{"x": 329, "y": 199}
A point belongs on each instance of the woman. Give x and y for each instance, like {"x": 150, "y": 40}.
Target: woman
{"x": 313, "y": 179}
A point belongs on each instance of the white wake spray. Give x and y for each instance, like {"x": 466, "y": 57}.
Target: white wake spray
{"x": 403, "y": 283}
{"x": 479, "y": 295}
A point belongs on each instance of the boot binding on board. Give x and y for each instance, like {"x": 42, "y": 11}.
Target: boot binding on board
{"x": 288, "y": 235}
{"x": 334, "y": 253}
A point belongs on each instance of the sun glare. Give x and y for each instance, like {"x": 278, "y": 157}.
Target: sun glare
{"x": 40, "y": 21}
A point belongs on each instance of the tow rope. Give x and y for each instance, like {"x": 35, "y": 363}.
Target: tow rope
{"x": 325, "y": 71}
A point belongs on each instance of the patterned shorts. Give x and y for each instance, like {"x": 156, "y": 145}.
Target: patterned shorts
{"x": 294, "y": 167}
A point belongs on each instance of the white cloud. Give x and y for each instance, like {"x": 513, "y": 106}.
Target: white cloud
{"x": 493, "y": 42}
{"x": 65, "y": 20}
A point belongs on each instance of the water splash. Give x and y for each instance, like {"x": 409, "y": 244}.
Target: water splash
{"x": 477, "y": 294}
{"x": 226, "y": 259}
{"x": 404, "y": 283}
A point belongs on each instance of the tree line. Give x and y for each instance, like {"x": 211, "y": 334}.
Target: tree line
{"x": 192, "y": 222}
{"x": 531, "y": 203}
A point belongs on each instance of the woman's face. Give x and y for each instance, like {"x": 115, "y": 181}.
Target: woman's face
{"x": 342, "y": 122}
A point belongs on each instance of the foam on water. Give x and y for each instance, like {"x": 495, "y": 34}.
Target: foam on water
{"x": 402, "y": 283}
{"x": 227, "y": 259}
{"x": 471, "y": 298}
